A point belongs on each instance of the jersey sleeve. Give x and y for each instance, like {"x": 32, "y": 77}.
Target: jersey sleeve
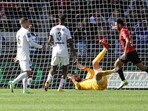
{"x": 68, "y": 34}
{"x": 28, "y": 36}
{"x": 29, "y": 39}
{"x": 51, "y": 32}
{"x": 125, "y": 34}
{"x": 90, "y": 74}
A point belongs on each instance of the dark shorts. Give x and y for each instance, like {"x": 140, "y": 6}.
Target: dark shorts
{"x": 131, "y": 57}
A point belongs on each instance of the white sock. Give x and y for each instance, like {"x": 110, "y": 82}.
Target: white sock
{"x": 105, "y": 49}
{"x": 20, "y": 77}
{"x": 25, "y": 84}
{"x": 61, "y": 83}
{"x": 49, "y": 78}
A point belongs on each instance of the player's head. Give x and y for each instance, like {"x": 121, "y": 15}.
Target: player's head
{"x": 119, "y": 24}
{"x": 24, "y": 23}
{"x": 62, "y": 19}
{"x": 77, "y": 78}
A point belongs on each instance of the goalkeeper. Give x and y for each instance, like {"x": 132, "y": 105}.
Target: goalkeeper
{"x": 96, "y": 78}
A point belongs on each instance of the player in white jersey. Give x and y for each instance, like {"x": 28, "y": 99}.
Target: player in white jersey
{"x": 59, "y": 38}
{"x": 24, "y": 40}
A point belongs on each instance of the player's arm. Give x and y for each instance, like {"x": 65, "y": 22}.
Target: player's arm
{"x": 50, "y": 40}
{"x": 71, "y": 45}
{"x": 70, "y": 42}
{"x": 90, "y": 71}
{"x": 127, "y": 42}
{"x": 71, "y": 77}
{"x": 81, "y": 67}
{"x": 31, "y": 42}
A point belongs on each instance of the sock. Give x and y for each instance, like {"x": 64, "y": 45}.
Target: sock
{"x": 25, "y": 83}
{"x": 49, "y": 78}
{"x": 20, "y": 77}
{"x": 147, "y": 70}
{"x": 107, "y": 72}
{"x": 61, "y": 83}
{"x": 120, "y": 72}
{"x": 101, "y": 55}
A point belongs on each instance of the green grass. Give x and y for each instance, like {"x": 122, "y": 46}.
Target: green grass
{"x": 73, "y": 100}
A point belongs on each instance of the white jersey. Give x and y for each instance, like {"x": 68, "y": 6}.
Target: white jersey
{"x": 60, "y": 36}
{"x": 24, "y": 40}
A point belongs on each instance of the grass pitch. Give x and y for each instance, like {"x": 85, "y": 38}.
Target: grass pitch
{"x": 73, "y": 100}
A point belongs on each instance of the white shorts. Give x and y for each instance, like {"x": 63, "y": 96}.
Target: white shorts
{"x": 57, "y": 60}
{"x": 24, "y": 65}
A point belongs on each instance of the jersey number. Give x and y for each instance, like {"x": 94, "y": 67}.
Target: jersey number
{"x": 59, "y": 36}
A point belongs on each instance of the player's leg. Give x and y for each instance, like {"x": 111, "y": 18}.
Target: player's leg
{"x": 54, "y": 62}
{"x": 101, "y": 55}
{"x": 107, "y": 72}
{"x": 118, "y": 66}
{"x": 136, "y": 60}
{"x": 142, "y": 67}
{"x": 64, "y": 75}
{"x": 101, "y": 80}
{"x": 65, "y": 64}
{"x": 25, "y": 82}
{"x": 50, "y": 76}
{"x": 25, "y": 66}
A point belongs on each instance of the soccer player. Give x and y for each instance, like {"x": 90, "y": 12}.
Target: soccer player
{"x": 129, "y": 52}
{"x": 96, "y": 78}
{"x": 59, "y": 38}
{"x": 24, "y": 40}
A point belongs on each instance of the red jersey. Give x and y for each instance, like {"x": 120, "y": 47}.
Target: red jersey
{"x": 125, "y": 33}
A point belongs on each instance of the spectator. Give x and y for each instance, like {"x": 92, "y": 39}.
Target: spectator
{"x": 80, "y": 38}
{"x": 96, "y": 18}
{"x": 134, "y": 3}
{"x": 2, "y": 13}
{"x": 114, "y": 16}
{"x": 142, "y": 36}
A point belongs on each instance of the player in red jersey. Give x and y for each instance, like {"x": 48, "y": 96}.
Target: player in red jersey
{"x": 129, "y": 52}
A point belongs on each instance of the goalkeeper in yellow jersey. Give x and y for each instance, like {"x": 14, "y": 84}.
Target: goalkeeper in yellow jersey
{"x": 96, "y": 78}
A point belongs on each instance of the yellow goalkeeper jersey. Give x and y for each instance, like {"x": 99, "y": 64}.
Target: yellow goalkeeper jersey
{"x": 90, "y": 83}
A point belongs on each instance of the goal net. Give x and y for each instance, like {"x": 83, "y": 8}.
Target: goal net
{"x": 88, "y": 21}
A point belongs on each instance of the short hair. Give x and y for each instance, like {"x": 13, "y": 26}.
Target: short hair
{"x": 23, "y": 20}
{"x": 62, "y": 18}
{"x": 120, "y": 21}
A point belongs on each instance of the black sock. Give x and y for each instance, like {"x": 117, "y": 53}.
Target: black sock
{"x": 147, "y": 70}
{"x": 120, "y": 72}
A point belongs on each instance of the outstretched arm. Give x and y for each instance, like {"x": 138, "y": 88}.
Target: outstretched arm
{"x": 90, "y": 71}
{"x": 81, "y": 67}
{"x": 31, "y": 42}
{"x": 71, "y": 77}
{"x": 34, "y": 44}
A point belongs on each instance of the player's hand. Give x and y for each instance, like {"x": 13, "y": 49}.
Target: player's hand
{"x": 15, "y": 59}
{"x": 114, "y": 27}
{"x": 79, "y": 66}
{"x": 124, "y": 56}
{"x": 69, "y": 76}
